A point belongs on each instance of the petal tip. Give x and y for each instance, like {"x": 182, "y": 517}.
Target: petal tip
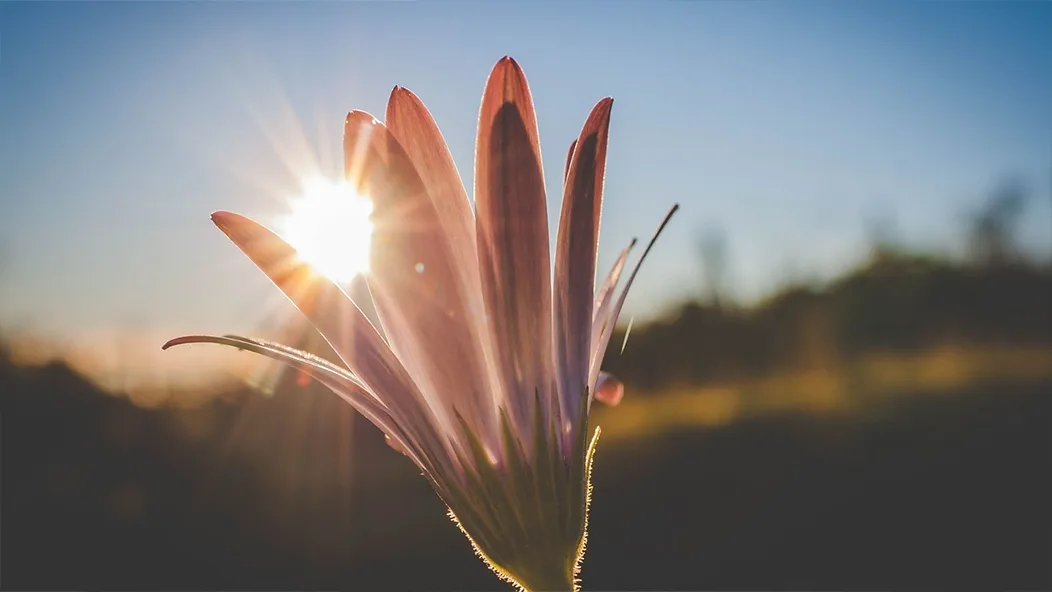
{"x": 225, "y": 220}
{"x": 218, "y": 218}
{"x": 401, "y": 101}
{"x": 507, "y": 65}
{"x": 360, "y": 117}
{"x": 603, "y": 107}
{"x": 176, "y": 341}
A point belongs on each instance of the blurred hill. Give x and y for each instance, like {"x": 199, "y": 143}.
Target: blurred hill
{"x": 896, "y": 302}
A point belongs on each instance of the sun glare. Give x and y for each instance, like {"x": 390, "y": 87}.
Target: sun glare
{"x": 330, "y": 229}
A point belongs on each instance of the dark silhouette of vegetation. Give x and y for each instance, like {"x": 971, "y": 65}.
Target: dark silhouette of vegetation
{"x": 895, "y": 302}
{"x": 280, "y": 493}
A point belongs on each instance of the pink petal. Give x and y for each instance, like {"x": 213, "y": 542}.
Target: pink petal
{"x": 411, "y": 124}
{"x": 608, "y": 330}
{"x": 575, "y": 258}
{"x": 346, "y": 329}
{"x": 338, "y": 380}
{"x": 609, "y": 389}
{"x": 601, "y": 314}
{"x": 512, "y": 228}
{"x": 417, "y": 277}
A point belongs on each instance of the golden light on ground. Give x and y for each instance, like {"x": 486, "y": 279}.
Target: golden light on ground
{"x": 848, "y": 386}
{"x": 330, "y": 229}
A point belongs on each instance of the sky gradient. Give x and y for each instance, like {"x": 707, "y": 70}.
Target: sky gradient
{"x": 786, "y": 125}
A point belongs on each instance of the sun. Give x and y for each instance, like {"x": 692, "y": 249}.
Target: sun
{"x": 330, "y": 228}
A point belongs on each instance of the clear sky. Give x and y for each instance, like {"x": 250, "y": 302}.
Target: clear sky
{"x": 124, "y": 124}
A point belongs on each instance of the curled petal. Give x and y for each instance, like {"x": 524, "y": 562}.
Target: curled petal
{"x": 575, "y": 258}
{"x": 512, "y": 234}
{"x": 338, "y": 380}
{"x": 608, "y": 389}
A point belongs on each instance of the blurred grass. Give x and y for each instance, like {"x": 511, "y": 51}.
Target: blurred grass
{"x": 847, "y": 387}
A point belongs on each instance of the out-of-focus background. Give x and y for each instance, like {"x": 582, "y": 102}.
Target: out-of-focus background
{"x": 838, "y": 359}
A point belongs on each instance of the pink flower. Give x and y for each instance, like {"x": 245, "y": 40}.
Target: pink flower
{"x": 490, "y": 365}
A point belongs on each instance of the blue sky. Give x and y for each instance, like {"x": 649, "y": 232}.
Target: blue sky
{"x": 124, "y": 124}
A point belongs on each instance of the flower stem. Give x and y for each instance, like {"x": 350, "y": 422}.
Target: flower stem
{"x": 550, "y": 582}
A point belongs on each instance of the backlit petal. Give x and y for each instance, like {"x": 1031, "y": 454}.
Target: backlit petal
{"x": 601, "y": 314}
{"x": 416, "y": 279}
{"x": 338, "y": 380}
{"x": 411, "y": 124}
{"x": 340, "y": 322}
{"x": 575, "y": 259}
{"x": 512, "y": 228}
{"x": 608, "y": 330}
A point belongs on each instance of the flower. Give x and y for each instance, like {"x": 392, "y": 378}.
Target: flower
{"x": 490, "y": 365}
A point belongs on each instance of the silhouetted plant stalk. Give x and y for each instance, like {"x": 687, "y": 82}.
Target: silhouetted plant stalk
{"x": 490, "y": 367}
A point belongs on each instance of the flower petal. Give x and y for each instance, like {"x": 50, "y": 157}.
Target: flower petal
{"x": 609, "y": 389}
{"x": 338, "y": 380}
{"x": 604, "y": 295}
{"x": 601, "y": 313}
{"x": 411, "y": 124}
{"x": 599, "y": 349}
{"x": 348, "y": 331}
{"x": 416, "y": 278}
{"x": 512, "y": 227}
{"x": 604, "y": 305}
{"x": 575, "y": 259}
